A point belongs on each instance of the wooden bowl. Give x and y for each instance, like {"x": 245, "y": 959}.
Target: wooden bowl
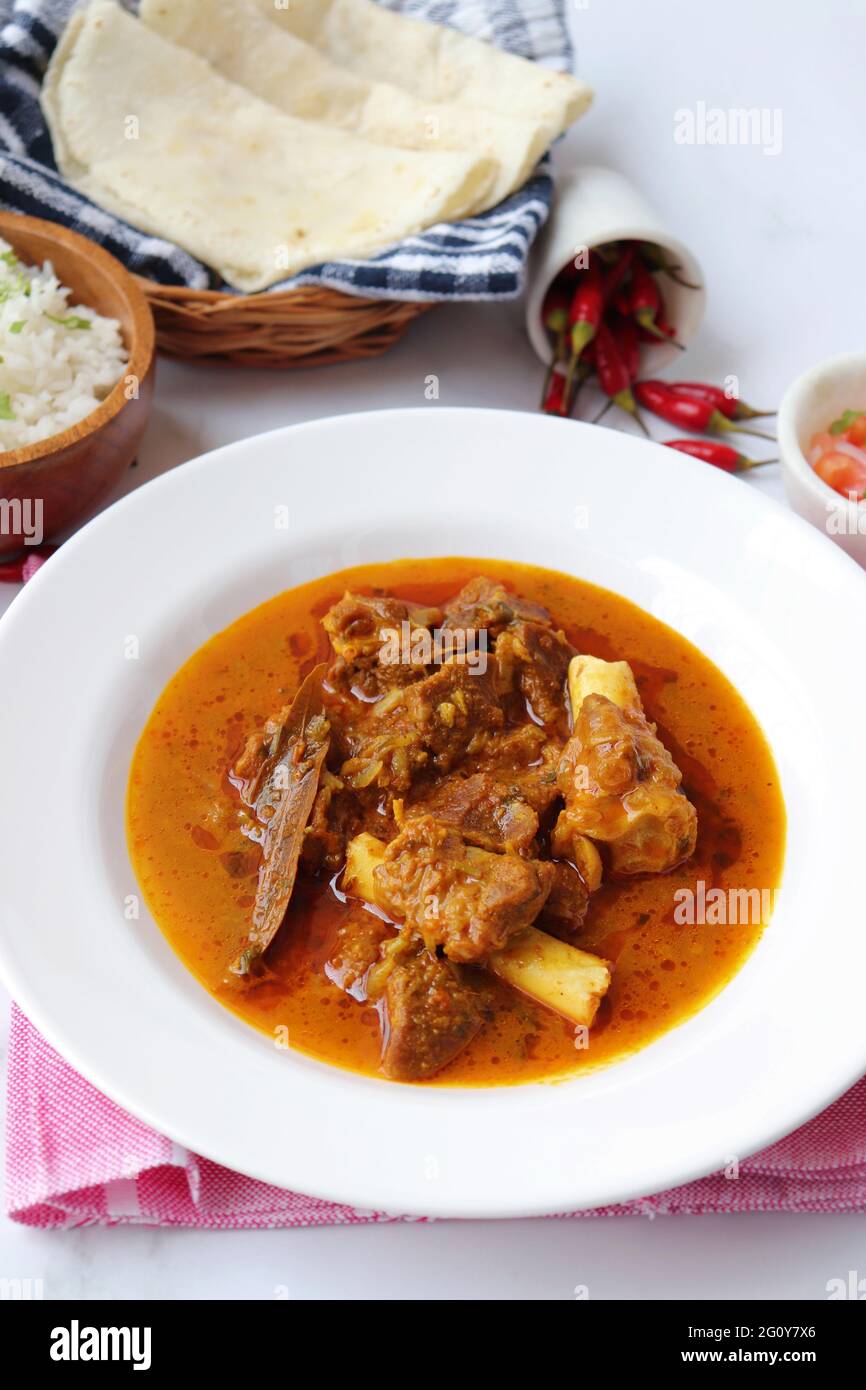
{"x": 71, "y": 472}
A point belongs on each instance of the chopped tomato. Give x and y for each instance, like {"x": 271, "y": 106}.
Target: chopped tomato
{"x": 838, "y": 454}
{"x": 843, "y": 474}
{"x": 822, "y": 443}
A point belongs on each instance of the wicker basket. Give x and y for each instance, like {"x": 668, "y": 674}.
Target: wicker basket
{"x": 290, "y": 328}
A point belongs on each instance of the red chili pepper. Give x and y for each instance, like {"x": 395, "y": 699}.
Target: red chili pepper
{"x": 645, "y": 297}
{"x": 665, "y": 328}
{"x": 554, "y": 402}
{"x": 613, "y": 374}
{"x": 700, "y": 417}
{"x": 625, "y": 334}
{"x": 719, "y": 455}
{"x": 621, "y": 302}
{"x": 13, "y": 572}
{"x": 584, "y": 315}
{"x": 646, "y": 305}
{"x": 554, "y": 316}
{"x": 554, "y": 311}
{"x": 587, "y": 303}
{"x": 558, "y": 400}
{"x": 615, "y": 277}
{"x": 661, "y": 324}
{"x": 730, "y": 406}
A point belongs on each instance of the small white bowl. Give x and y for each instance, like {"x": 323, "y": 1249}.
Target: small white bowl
{"x": 809, "y": 405}
{"x": 594, "y": 206}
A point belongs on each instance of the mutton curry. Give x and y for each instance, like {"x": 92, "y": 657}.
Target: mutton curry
{"x": 431, "y": 820}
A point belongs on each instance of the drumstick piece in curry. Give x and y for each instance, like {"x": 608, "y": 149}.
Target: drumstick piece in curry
{"x": 620, "y": 783}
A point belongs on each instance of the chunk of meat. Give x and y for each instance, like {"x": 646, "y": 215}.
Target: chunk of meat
{"x": 514, "y": 749}
{"x": 455, "y": 895}
{"x": 554, "y": 972}
{"x": 567, "y": 903}
{"x": 248, "y": 767}
{"x": 533, "y": 658}
{"x": 380, "y": 642}
{"x": 258, "y": 771}
{"x": 450, "y": 709}
{"x": 428, "y": 725}
{"x": 330, "y": 825}
{"x": 487, "y": 811}
{"x": 360, "y": 938}
{"x": 433, "y": 1013}
{"x": 527, "y": 759}
{"x": 567, "y": 842}
{"x": 622, "y": 788}
{"x": 339, "y": 813}
{"x": 486, "y": 605}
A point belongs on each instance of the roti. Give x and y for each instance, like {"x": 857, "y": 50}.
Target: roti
{"x": 247, "y": 47}
{"x": 435, "y": 63}
{"x": 150, "y": 131}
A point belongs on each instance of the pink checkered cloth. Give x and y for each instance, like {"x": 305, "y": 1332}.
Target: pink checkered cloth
{"x": 74, "y": 1158}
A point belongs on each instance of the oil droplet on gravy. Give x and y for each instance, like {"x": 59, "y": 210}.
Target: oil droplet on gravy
{"x": 198, "y": 874}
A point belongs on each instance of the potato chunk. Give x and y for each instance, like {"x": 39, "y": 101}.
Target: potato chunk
{"x": 363, "y": 854}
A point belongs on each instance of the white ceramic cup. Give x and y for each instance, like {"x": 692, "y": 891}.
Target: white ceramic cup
{"x": 593, "y": 206}
{"x": 809, "y": 406}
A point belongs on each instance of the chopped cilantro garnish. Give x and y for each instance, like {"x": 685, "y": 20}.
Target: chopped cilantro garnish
{"x": 20, "y": 285}
{"x": 845, "y": 421}
{"x": 6, "y": 411}
{"x": 73, "y": 321}
{"x": 16, "y": 326}
{"x": 10, "y": 258}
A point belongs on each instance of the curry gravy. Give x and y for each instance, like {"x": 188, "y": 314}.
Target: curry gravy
{"x": 198, "y": 874}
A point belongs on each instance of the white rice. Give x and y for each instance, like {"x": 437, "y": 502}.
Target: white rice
{"x": 51, "y": 373}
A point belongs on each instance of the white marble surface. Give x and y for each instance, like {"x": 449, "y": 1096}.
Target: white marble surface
{"x": 780, "y": 237}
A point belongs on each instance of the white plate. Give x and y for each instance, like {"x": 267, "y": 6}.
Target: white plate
{"x": 772, "y": 602}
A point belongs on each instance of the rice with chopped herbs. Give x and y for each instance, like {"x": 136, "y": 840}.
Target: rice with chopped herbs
{"x": 56, "y": 363}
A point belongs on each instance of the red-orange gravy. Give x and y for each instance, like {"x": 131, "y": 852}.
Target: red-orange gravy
{"x": 663, "y": 971}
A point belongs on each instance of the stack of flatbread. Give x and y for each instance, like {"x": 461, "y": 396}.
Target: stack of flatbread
{"x": 263, "y": 139}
